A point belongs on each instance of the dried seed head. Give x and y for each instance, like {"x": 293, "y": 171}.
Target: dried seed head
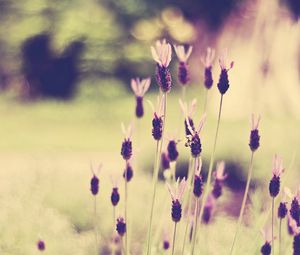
{"x": 94, "y": 185}
{"x": 266, "y": 249}
{"x": 172, "y": 150}
{"x": 128, "y": 172}
{"x": 282, "y": 210}
{"x": 41, "y": 245}
{"x": 115, "y": 196}
{"x": 165, "y": 161}
{"x": 121, "y": 226}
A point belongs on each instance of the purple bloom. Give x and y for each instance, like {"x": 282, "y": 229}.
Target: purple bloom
{"x": 282, "y": 210}
{"x": 41, "y": 245}
{"x": 172, "y": 150}
{"x": 223, "y": 83}
{"x": 128, "y": 172}
{"x": 207, "y": 62}
{"x": 295, "y": 210}
{"x": 115, "y": 196}
{"x": 183, "y": 71}
{"x": 274, "y": 186}
{"x": 176, "y": 195}
{"x": 198, "y": 182}
{"x": 126, "y": 148}
{"x": 162, "y": 54}
{"x": 254, "y": 135}
{"x": 157, "y": 121}
{"x": 94, "y": 185}
{"x": 139, "y": 88}
{"x": 165, "y": 161}
{"x": 296, "y": 244}
{"x": 266, "y": 249}
{"x": 121, "y": 226}
{"x": 166, "y": 245}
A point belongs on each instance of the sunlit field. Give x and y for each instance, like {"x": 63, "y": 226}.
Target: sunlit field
{"x": 55, "y": 149}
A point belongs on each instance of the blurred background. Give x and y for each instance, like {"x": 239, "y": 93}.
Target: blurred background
{"x": 65, "y": 71}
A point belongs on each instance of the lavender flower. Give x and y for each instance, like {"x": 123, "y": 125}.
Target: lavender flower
{"x": 194, "y": 141}
{"x": 95, "y": 180}
{"x": 172, "y": 150}
{"x": 115, "y": 195}
{"x": 198, "y": 182}
{"x": 188, "y": 112}
{"x": 207, "y": 62}
{"x": 296, "y": 232}
{"x": 223, "y": 83}
{"x": 274, "y": 186}
{"x": 282, "y": 210}
{"x": 126, "y": 148}
{"x": 41, "y": 245}
{"x": 166, "y": 242}
{"x": 162, "y": 54}
{"x": 254, "y": 135}
{"x": 165, "y": 161}
{"x": 219, "y": 179}
{"x": 157, "y": 121}
{"x": 128, "y": 172}
{"x": 176, "y": 195}
{"x": 208, "y": 209}
{"x": 121, "y": 226}
{"x": 266, "y": 248}
{"x": 295, "y": 210}
{"x": 140, "y": 87}
{"x": 183, "y": 70}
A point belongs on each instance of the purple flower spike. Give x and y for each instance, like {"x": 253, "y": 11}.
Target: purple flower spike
{"x": 172, "y": 150}
{"x": 198, "y": 181}
{"x": 274, "y": 186}
{"x": 121, "y": 226}
{"x": 140, "y": 87}
{"x": 254, "y": 135}
{"x": 183, "y": 70}
{"x": 207, "y": 62}
{"x": 41, "y": 245}
{"x": 126, "y": 148}
{"x": 128, "y": 172}
{"x": 223, "y": 83}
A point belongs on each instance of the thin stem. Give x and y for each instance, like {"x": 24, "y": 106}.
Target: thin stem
{"x": 95, "y": 224}
{"x": 191, "y": 177}
{"x": 280, "y": 221}
{"x": 126, "y": 219}
{"x": 183, "y": 90}
{"x": 174, "y": 236}
{"x": 243, "y": 202}
{"x": 205, "y": 100}
{"x": 195, "y": 225}
{"x": 273, "y": 248}
{"x": 114, "y": 216}
{"x": 155, "y": 174}
{"x": 211, "y": 163}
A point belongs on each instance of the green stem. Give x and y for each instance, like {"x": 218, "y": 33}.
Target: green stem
{"x": 95, "y": 224}
{"x": 183, "y": 90}
{"x": 155, "y": 174}
{"x": 174, "y": 236}
{"x": 243, "y": 203}
{"x": 211, "y": 163}
{"x": 205, "y": 100}
{"x": 280, "y": 221}
{"x": 126, "y": 219}
{"x": 191, "y": 177}
{"x": 195, "y": 226}
{"x": 273, "y": 248}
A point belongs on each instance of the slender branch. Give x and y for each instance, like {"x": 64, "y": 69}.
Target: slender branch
{"x": 155, "y": 175}
{"x": 211, "y": 163}
{"x": 243, "y": 203}
{"x": 174, "y": 236}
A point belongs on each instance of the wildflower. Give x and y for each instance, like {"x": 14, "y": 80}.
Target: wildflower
{"x": 165, "y": 161}
{"x": 223, "y": 83}
{"x": 198, "y": 182}
{"x": 121, "y": 226}
{"x": 162, "y": 54}
{"x": 41, "y": 245}
{"x": 219, "y": 179}
{"x": 207, "y": 62}
{"x": 126, "y": 149}
{"x": 176, "y": 195}
{"x": 183, "y": 71}
{"x": 188, "y": 112}
{"x": 115, "y": 195}
{"x": 194, "y": 141}
{"x": 296, "y": 232}
{"x": 157, "y": 121}
{"x": 295, "y": 210}
{"x": 282, "y": 210}
{"x": 166, "y": 242}
{"x": 140, "y": 87}
{"x": 128, "y": 172}
{"x": 208, "y": 209}
{"x": 172, "y": 150}
{"x": 266, "y": 248}
{"x": 274, "y": 186}
{"x": 254, "y": 135}
{"x": 95, "y": 180}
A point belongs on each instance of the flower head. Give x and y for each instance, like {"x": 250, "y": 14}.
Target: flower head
{"x": 254, "y": 135}
{"x": 207, "y": 62}
{"x": 126, "y": 148}
{"x": 277, "y": 170}
{"x": 157, "y": 121}
{"x": 121, "y": 226}
{"x": 266, "y": 248}
{"x": 95, "y": 180}
{"x": 41, "y": 245}
{"x": 181, "y": 53}
{"x": 115, "y": 195}
{"x": 223, "y": 83}
{"x": 162, "y": 53}
{"x": 198, "y": 182}
{"x": 128, "y": 172}
{"x": 219, "y": 178}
